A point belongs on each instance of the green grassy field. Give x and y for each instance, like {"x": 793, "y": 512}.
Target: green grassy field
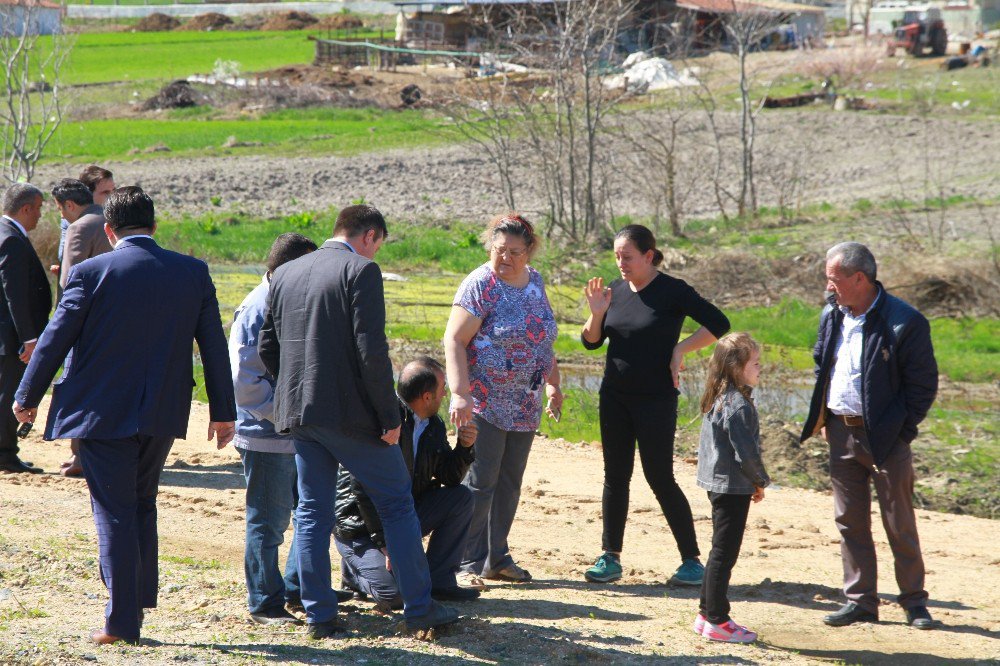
{"x": 328, "y": 131}
{"x": 135, "y": 56}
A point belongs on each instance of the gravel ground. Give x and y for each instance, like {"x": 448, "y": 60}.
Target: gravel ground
{"x": 837, "y": 157}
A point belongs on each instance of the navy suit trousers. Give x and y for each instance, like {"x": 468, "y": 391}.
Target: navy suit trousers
{"x": 123, "y": 476}
{"x": 383, "y": 474}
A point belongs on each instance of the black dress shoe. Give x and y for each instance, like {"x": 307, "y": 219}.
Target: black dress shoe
{"x": 454, "y": 593}
{"x": 277, "y": 615}
{"x": 919, "y": 618}
{"x": 439, "y": 615}
{"x": 17, "y": 466}
{"x": 328, "y": 629}
{"x": 849, "y": 614}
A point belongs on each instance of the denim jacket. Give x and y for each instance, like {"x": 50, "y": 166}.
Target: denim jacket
{"x": 254, "y": 386}
{"x": 729, "y": 458}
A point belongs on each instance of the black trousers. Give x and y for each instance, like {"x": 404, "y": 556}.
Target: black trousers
{"x": 729, "y": 522}
{"x": 11, "y": 372}
{"x": 650, "y": 421}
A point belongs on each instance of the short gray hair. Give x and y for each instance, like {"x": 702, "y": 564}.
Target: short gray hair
{"x": 853, "y": 257}
{"x": 18, "y": 196}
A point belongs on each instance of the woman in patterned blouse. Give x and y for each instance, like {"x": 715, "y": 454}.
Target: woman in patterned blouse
{"x": 498, "y": 346}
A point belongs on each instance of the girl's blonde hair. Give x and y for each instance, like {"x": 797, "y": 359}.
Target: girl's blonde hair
{"x": 725, "y": 370}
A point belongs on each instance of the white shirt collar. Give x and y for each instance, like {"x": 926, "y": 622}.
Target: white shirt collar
{"x": 122, "y": 240}
{"x": 16, "y": 224}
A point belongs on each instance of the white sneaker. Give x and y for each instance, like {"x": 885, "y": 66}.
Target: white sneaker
{"x": 469, "y": 581}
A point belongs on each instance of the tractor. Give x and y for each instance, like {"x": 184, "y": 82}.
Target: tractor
{"x": 921, "y": 28}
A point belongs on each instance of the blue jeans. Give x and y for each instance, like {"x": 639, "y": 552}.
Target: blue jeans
{"x": 381, "y": 470}
{"x": 271, "y": 500}
{"x": 444, "y": 513}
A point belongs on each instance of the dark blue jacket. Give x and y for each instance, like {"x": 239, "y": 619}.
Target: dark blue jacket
{"x": 125, "y": 327}
{"x": 899, "y": 376}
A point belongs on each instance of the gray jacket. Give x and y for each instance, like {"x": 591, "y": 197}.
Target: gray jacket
{"x": 729, "y": 458}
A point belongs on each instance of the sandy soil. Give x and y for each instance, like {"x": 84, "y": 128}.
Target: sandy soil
{"x": 787, "y": 579}
{"x": 840, "y": 157}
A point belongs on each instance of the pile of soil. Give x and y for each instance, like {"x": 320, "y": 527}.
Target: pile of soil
{"x": 948, "y": 289}
{"x": 340, "y": 22}
{"x": 157, "y": 22}
{"x": 804, "y": 464}
{"x": 206, "y": 22}
{"x": 308, "y": 75}
{"x": 289, "y": 21}
{"x": 176, "y": 95}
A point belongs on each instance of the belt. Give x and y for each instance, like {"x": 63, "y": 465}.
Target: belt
{"x": 851, "y": 421}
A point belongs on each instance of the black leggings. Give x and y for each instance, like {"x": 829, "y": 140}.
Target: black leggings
{"x": 651, "y": 420}
{"x": 729, "y": 522}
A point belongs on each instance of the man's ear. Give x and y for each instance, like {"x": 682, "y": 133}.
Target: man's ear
{"x": 110, "y": 233}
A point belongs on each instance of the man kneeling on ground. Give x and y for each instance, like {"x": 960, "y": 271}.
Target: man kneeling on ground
{"x": 443, "y": 505}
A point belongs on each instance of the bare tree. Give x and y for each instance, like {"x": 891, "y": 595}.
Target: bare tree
{"x": 746, "y": 27}
{"x": 31, "y": 108}
{"x": 558, "y": 107}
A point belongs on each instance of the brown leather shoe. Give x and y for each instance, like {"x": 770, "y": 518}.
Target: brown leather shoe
{"x": 101, "y": 637}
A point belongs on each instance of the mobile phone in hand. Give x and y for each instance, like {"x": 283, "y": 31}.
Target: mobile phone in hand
{"x": 24, "y": 429}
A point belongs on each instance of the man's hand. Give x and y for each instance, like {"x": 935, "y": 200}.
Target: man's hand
{"x": 29, "y": 349}
{"x": 54, "y": 269}
{"x": 25, "y": 415}
{"x": 388, "y": 563}
{"x": 460, "y": 410}
{"x": 758, "y": 495}
{"x": 392, "y": 437}
{"x": 223, "y": 431}
{"x": 467, "y": 434}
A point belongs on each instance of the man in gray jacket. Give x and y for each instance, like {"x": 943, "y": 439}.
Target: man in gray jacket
{"x": 324, "y": 341}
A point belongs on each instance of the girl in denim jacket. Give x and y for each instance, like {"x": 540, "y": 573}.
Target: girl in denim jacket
{"x": 731, "y": 470}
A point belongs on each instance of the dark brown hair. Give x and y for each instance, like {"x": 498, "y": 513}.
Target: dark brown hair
{"x": 70, "y": 189}
{"x": 358, "y": 220}
{"x": 93, "y": 174}
{"x": 725, "y": 370}
{"x": 287, "y": 247}
{"x": 512, "y": 224}
{"x": 129, "y": 208}
{"x": 642, "y": 238}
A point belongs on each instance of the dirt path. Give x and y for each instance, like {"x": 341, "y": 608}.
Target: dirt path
{"x": 787, "y": 578}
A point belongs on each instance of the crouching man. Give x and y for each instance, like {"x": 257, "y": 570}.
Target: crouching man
{"x": 443, "y": 505}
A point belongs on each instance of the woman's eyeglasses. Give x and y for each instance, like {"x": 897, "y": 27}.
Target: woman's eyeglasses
{"x": 513, "y": 254}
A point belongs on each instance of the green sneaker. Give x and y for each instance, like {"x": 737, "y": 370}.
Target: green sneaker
{"x": 606, "y": 569}
{"x": 690, "y": 572}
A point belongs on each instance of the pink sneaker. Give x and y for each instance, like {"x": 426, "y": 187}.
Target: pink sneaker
{"x": 699, "y": 624}
{"x": 730, "y": 632}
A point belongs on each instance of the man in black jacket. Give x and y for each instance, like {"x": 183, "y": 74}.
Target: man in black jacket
{"x": 324, "y": 341}
{"x": 443, "y": 505}
{"x": 25, "y": 301}
{"x": 876, "y": 379}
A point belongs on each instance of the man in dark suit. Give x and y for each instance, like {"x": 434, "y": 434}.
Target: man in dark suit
{"x": 25, "y": 301}
{"x": 85, "y": 238}
{"x": 324, "y": 341}
{"x": 124, "y": 327}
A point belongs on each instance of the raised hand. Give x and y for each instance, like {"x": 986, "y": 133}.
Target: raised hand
{"x": 598, "y": 296}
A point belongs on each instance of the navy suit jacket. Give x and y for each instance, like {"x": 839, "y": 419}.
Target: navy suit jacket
{"x": 125, "y": 327}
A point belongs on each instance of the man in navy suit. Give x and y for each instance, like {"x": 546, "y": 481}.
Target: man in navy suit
{"x": 25, "y": 301}
{"x": 124, "y": 327}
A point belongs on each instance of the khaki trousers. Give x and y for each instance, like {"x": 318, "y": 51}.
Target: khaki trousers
{"x": 851, "y": 472}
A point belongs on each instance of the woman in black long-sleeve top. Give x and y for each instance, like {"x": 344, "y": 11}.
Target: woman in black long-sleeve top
{"x": 641, "y": 317}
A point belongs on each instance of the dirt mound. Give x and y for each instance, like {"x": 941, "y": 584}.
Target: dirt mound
{"x": 175, "y": 95}
{"x": 206, "y": 22}
{"x": 340, "y": 22}
{"x": 805, "y": 465}
{"x": 739, "y": 278}
{"x": 289, "y": 21}
{"x": 949, "y": 289}
{"x": 157, "y": 22}
{"x": 300, "y": 75}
